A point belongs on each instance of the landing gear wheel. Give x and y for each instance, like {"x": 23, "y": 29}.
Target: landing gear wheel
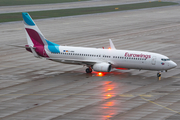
{"x": 88, "y": 70}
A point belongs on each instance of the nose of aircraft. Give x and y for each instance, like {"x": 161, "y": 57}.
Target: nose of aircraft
{"x": 173, "y": 64}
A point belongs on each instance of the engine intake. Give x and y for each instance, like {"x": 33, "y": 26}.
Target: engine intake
{"x": 102, "y": 67}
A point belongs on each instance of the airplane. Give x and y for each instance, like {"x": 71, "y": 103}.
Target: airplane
{"x": 96, "y": 59}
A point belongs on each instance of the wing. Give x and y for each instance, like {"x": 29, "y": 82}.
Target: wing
{"x": 78, "y": 62}
{"x": 74, "y": 61}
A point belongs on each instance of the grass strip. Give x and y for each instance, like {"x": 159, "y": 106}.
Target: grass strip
{"x": 81, "y": 11}
{"x": 31, "y": 2}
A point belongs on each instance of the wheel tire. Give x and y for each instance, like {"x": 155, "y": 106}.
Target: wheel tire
{"x": 88, "y": 70}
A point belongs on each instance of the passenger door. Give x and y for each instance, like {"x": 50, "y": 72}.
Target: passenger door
{"x": 153, "y": 62}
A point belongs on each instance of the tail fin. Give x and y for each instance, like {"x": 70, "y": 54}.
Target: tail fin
{"x": 36, "y": 39}
{"x": 33, "y": 34}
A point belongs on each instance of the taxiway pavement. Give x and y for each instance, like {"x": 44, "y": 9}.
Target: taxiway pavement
{"x": 38, "y": 89}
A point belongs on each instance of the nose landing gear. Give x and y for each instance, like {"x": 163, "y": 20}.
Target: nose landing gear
{"x": 89, "y": 70}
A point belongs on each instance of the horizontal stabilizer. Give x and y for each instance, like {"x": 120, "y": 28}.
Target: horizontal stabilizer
{"x": 34, "y": 52}
{"x": 21, "y": 46}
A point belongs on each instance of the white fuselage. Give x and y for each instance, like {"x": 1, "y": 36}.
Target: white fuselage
{"x": 117, "y": 58}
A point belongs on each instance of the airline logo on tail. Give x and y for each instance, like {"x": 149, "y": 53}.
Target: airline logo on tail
{"x": 36, "y": 39}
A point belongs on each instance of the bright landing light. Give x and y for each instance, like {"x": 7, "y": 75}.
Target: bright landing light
{"x": 100, "y": 74}
{"x": 108, "y": 95}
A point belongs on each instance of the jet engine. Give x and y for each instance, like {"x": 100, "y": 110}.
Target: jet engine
{"x": 102, "y": 67}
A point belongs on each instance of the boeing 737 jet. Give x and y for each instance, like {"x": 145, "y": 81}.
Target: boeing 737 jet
{"x": 97, "y": 59}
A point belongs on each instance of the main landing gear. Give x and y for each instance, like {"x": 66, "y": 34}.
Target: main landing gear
{"x": 159, "y": 75}
{"x": 89, "y": 70}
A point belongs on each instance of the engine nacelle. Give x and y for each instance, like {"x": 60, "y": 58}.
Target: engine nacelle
{"x": 102, "y": 67}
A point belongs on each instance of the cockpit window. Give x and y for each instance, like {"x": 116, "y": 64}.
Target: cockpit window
{"x": 165, "y": 59}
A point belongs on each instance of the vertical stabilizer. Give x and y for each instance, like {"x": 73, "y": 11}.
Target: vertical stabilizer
{"x": 36, "y": 39}
{"x": 34, "y": 36}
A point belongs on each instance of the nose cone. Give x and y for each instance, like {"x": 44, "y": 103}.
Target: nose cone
{"x": 173, "y": 64}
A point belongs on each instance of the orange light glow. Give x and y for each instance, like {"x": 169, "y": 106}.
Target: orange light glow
{"x": 100, "y": 74}
{"x": 108, "y": 95}
{"x": 109, "y": 89}
{"x": 109, "y": 48}
{"x": 109, "y": 104}
{"x": 122, "y": 68}
{"x": 108, "y": 116}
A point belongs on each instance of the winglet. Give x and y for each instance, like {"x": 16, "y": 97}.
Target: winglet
{"x": 111, "y": 44}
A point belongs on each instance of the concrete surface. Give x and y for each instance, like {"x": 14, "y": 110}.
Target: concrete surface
{"x": 37, "y": 89}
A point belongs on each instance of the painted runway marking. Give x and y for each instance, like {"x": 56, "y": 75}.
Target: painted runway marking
{"x": 160, "y": 105}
